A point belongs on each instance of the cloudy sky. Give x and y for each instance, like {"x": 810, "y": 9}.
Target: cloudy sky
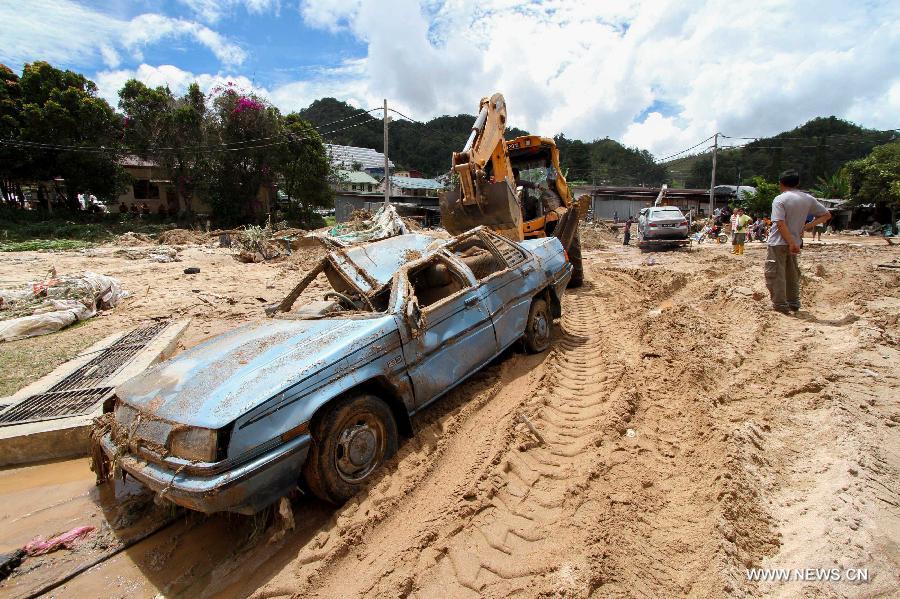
{"x": 656, "y": 74}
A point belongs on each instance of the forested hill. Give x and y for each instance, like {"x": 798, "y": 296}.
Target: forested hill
{"x": 817, "y": 149}
{"x": 428, "y": 146}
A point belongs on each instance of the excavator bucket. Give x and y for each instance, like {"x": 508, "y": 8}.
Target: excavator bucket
{"x": 497, "y": 208}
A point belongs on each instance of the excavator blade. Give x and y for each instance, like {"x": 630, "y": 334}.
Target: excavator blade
{"x": 567, "y": 227}
{"x": 497, "y": 208}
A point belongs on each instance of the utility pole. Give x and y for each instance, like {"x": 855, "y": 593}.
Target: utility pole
{"x": 712, "y": 183}
{"x": 387, "y": 169}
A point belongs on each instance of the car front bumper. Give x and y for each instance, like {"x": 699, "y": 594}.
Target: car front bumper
{"x": 245, "y": 488}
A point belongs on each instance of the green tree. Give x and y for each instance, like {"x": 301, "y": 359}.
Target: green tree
{"x": 837, "y": 186}
{"x": 250, "y": 133}
{"x": 10, "y": 114}
{"x": 62, "y": 108}
{"x": 875, "y": 179}
{"x": 304, "y": 168}
{"x": 760, "y": 201}
{"x": 171, "y": 132}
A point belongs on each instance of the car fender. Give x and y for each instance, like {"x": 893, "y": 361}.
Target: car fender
{"x": 281, "y": 415}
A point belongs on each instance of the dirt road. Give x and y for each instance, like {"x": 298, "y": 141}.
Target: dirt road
{"x": 686, "y": 432}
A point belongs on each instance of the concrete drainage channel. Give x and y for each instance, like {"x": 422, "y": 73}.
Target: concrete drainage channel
{"x": 51, "y": 418}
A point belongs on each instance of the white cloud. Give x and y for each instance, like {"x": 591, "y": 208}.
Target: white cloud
{"x": 213, "y": 10}
{"x": 589, "y": 69}
{"x": 62, "y": 31}
{"x": 176, "y": 79}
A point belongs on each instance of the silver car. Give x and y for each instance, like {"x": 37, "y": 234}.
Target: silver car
{"x": 664, "y": 224}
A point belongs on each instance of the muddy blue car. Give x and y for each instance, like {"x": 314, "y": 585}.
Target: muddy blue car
{"x": 320, "y": 393}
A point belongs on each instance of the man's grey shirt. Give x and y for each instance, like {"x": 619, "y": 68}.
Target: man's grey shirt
{"x": 793, "y": 207}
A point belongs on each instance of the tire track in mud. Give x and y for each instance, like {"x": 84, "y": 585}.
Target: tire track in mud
{"x": 528, "y": 534}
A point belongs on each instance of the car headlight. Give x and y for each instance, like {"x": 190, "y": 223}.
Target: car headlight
{"x": 194, "y": 444}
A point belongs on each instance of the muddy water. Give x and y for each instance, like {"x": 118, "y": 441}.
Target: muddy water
{"x": 190, "y": 554}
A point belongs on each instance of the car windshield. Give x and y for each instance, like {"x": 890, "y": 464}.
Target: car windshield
{"x": 668, "y": 212}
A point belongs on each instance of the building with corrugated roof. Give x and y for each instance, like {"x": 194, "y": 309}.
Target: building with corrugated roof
{"x": 346, "y": 157}
{"x": 359, "y": 181}
{"x": 414, "y": 187}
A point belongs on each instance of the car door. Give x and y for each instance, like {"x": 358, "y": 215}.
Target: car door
{"x": 508, "y": 292}
{"x": 446, "y": 330}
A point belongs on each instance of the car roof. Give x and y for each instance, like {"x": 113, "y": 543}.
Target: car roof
{"x": 371, "y": 266}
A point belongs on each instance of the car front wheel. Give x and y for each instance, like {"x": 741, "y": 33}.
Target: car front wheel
{"x": 351, "y": 441}
{"x": 537, "y": 329}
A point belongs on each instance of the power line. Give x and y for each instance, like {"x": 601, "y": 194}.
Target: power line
{"x": 687, "y": 150}
{"x": 347, "y": 118}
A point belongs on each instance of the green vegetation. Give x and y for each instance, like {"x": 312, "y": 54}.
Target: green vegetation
{"x": 875, "y": 179}
{"x": 43, "y": 244}
{"x": 51, "y": 106}
{"x": 607, "y": 162}
{"x": 69, "y": 230}
{"x": 427, "y": 147}
{"x": 760, "y": 202}
{"x": 837, "y": 186}
{"x": 817, "y": 149}
{"x": 66, "y": 141}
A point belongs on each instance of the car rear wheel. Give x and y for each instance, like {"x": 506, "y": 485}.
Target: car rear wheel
{"x": 537, "y": 329}
{"x": 351, "y": 441}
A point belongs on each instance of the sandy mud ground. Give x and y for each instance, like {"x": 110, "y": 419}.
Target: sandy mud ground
{"x": 689, "y": 434}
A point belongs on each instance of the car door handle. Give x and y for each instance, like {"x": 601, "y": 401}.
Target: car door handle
{"x": 527, "y": 270}
{"x": 471, "y": 301}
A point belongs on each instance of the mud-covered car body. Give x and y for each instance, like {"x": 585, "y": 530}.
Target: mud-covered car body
{"x": 225, "y": 426}
{"x": 664, "y": 224}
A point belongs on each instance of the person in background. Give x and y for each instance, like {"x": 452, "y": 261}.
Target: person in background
{"x": 818, "y": 230}
{"x": 733, "y": 223}
{"x": 627, "y": 232}
{"x": 789, "y": 211}
{"x": 741, "y": 222}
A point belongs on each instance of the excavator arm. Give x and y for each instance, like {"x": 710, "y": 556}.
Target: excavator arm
{"x": 484, "y": 193}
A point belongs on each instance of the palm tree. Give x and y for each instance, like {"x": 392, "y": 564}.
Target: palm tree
{"x": 837, "y": 186}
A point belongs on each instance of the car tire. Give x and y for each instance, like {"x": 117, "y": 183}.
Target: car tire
{"x": 350, "y": 442}
{"x": 577, "y": 279}
{"x": 537, "y": 328}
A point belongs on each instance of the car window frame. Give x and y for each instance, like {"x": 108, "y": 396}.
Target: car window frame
{"x": 402, "y": 287}
{"x": 490, "y": 238}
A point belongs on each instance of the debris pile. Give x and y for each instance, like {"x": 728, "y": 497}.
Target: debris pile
{"x": 43, "y": 307}
{"x": 597, "y": 234}
{"x": 364, "y": 226}
{"x": 182, "y": 237}
{"x": 255, "y": 244}
{"x": 131, "y": 239}
{"x": 161, "y": 253}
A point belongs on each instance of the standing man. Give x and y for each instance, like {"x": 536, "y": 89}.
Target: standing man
{"x": 627, "y": 231}
{"x": 741, "y": 222}
{"x": 789, "y": 211}
{"x": 733, "y": 223}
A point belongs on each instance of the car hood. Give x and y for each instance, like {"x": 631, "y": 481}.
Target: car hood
{"x": 223, "y": 378}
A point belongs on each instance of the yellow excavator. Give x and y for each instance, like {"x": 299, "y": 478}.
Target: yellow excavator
{"x": 514, "y": 187}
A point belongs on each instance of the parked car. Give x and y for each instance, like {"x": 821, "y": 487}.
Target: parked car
{"x": 663, "y": 224}
{"x": 322, "y": 391}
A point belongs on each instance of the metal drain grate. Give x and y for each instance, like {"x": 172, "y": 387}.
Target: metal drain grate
{"x": 109, "y": 360}
{"x": 80, "y": 392}
{"x": 48, "y": 406}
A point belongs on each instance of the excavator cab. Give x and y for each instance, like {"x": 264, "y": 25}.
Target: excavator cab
{"x": 514, "y": 187}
